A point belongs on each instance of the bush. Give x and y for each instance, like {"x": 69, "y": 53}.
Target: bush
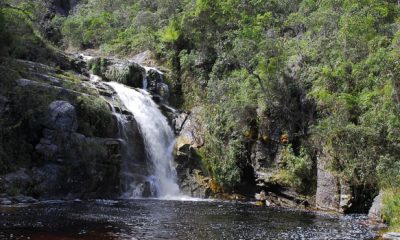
{"x": 391, "y": 210}
{"x": 296, "y": 171}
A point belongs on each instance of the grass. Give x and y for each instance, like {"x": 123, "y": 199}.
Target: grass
{"x": 391, "y": 210}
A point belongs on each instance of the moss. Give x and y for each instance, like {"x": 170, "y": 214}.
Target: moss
{"x": 94, "y": 117}
{"x": 98, "y": 66}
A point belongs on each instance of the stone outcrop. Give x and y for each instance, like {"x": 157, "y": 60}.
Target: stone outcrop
{"x": 125, "y": 72}
{"x": 328, "y": 188}
{"x": 62, "y": 116}
{"x": 65, "y": 136}
{"x": 375, "y": 212}
{"x": 333, "y": 193}
{"x": 131, "y": 74}
{"x": 191, "y": 176}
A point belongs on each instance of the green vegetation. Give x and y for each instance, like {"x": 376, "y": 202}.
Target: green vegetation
{"x": 391, "y": 201}
{"x": 296, "y": 171}
{"x": 324, "y": 74}
{"x": 95, "y": 118}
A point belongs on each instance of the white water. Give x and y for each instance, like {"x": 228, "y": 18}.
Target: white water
{"x": 158, "y": 138}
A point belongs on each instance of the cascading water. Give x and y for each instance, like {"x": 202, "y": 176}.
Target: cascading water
{"x": 159, "y": 142}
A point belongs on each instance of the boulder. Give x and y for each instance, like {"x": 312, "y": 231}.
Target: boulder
{"x": 62, "y": 116}
{"x": 125, "y": 72}
{"x": 335, "y": 193}
{"x": 16, "y": 182}
{"x": 328, "y": 195}
{"x": 5, "y": 201}
{"x": 375, "y": 212}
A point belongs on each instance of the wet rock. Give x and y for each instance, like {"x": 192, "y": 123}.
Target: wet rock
{"x": 196, "y": 185}
{"x": 62, "y": 116}
{"x": 391, "y": 236}
{"x": 156, "y": 84}
{"x": 125, "y": 72}
{"x": 24, "y": 199}
{"x": 5, "y": 201}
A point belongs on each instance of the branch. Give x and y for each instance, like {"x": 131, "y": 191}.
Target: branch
{"x": 261, "y": 82}
{"x": 24, "y": 11}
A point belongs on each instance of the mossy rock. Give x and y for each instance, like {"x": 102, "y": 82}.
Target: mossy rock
{"x": 128, "y": 73}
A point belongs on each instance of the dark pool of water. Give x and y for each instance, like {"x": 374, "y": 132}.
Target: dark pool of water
{"x": 156, "y": 219}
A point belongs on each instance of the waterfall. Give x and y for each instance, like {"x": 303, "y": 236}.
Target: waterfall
{"x": 159, "y": 141}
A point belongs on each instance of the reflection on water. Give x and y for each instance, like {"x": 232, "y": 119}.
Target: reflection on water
{"x": 154, "y": 219}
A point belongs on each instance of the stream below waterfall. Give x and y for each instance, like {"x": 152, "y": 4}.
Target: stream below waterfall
{"x": 161, "y": 219}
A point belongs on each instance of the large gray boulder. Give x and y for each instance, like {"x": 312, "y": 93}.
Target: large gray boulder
{"x": 62, "y": 116}
{"x": 375, "y": 212}
{"x": 328, "y": 195}
{"x": 333, "y": 192}
{"x": 125, "y": 72}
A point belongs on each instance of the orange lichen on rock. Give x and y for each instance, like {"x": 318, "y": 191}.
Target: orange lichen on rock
{"x": 285, "y": 138}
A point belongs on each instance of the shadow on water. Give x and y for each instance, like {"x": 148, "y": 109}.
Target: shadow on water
{"x": 156, "y": 219}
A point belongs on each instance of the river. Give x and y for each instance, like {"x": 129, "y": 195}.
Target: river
{"x": 162, "y": 219}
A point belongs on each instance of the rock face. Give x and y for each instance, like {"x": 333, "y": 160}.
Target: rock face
{"x": 190, "y": 171}
{"x": 62, "y": 116}
{"x": 125, "y": 72}
{"x": 132, "y": 74}
{"x": 328, "y": 188}
{"x": 333, "y": 193}
{"x": 375, "y": 212}
{"x": 64, "y": 135}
